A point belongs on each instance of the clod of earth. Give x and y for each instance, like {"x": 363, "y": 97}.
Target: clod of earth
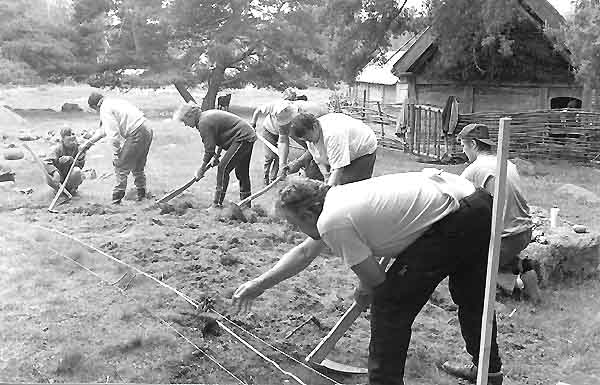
{"x": 76, "y": 254}
{"x": 229, "y": 260}
{"x": 166, "y": 208}
{"x": 68, "y": 362}
{"x": 13, "y": 154}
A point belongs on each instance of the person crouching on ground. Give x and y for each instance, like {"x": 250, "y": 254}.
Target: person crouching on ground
{"x": 343, "y": 147}
{"x": 227, "y": 131}
{"x": 130, "y": 137}
{"x": 516, "y": 235}
{"x": 435, "y": 224}
{"x": 61, "y": 159}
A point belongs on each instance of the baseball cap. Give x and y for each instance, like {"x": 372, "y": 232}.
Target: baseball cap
{"x": 94, "y": 99}
{"x": 478, "y": 132}
{"x": 287, "y": 112}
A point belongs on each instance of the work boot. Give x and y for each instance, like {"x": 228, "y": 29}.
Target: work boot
{"x": 117, "y": 196}
{"x": 244, "y": 195}
{"x": 469, "y": 372}
{"x": 141, "y": 194}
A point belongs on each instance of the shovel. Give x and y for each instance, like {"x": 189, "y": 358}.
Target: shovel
{"x": 180, "y": 189}
{"x": 317, "y": 359}
{"x": 49, "y": 181}
{"x": 61, "y": 189}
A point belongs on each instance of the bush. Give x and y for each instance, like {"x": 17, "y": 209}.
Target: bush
{"x": 17, "y": 73}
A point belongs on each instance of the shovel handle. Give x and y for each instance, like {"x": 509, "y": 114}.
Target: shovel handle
{"x": 341, "y": 327}
{"x": 61, "y": 189}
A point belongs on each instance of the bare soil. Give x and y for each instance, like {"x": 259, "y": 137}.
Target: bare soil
{"x": 62, "y": 323}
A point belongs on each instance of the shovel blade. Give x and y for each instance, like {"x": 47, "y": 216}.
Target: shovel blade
{"x": 337, "y": 367}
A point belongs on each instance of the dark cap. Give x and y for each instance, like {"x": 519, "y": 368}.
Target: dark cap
{"x": 94, "y": 99}
{"x": 476, "y": 131}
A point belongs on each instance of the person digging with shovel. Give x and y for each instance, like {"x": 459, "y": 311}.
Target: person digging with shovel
{"x": 343, "y": 147}
{"x": 60, "y": 160}
{"x": 130, "y": 137}
{"x": 435, "y": 224}
{"x": 227, "y": 131}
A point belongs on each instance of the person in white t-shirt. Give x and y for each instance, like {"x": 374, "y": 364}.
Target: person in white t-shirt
{"x": 343, "y": 147}
{"x": 275, "y": 129}
{"x": 130, "y": 137}
{"x": 434, "y": 223}
{"x": 516, "y": 234}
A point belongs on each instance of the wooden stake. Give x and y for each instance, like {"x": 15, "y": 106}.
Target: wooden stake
{"x": 494, "y": 251}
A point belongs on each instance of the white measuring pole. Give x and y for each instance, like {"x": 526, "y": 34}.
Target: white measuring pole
{"x": 494, "y": 251}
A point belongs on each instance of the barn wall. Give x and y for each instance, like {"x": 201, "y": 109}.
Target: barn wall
{"x": 385, "y": 94}
{"x": 481, "y": 97}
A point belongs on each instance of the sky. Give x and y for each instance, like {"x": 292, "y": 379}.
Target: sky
{"x": 562, "y": 6}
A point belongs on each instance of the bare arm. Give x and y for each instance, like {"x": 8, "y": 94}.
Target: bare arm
{"x": 292, "y": 263}
{"x": 335, "y": 178}
{"x": 489, "y": 185}
{"x": 283, "y": 150}
{"x": 370, "y": 273}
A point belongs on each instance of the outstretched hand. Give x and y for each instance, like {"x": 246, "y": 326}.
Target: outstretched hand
{"x": 245, "y": 295}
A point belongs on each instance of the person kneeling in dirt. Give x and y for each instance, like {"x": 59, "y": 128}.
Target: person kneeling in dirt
{"x": 130, "y": 137}
{"x": 516, "y": 234}
{"x": 413, "y": 217}
{"x": 61, "y": 159}
{"x": 343, "y": 147}
{"x": 227, "y": 131}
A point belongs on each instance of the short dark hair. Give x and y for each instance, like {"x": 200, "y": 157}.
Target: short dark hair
{"x": 94, "y": 99}
{"x": 302, "y": 123}
{"x": 301, "y": 195}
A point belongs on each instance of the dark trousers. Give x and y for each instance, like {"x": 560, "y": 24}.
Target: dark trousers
{"x": 236, "y": 157}
{"x": 456, "y": 246}
{"x": 359, "y": 169}
{"x": 271, "y": 165}
{"x": 132, "y": 159}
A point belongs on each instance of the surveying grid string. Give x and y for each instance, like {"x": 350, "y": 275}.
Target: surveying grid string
{"x": 211, "y": 358}
{"x": 191, "y": 302}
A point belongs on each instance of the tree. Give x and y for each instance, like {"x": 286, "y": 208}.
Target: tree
{"x": 277, "y": 42}
{"x": 492, "y": 40}
{"x": 33, "y": 34}
{"x": 581, "y": 35}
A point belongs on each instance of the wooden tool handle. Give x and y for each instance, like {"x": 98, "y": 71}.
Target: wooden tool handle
{"x": 61, "y": 189}
{"x": 328, "y": 343}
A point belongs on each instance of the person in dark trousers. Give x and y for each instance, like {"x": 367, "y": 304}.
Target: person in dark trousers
{"x": 226, "y": 131}
{"x": 130, "y": 137}
{"x": 61, "y": 159}
{"x": 434, "y": 223}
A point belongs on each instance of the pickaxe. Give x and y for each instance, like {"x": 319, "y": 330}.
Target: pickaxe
{"x": 317, "y": 356}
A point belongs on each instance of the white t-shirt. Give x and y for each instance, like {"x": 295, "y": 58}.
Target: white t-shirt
{"x": 271, "y": 110}
{"x": 344, "y": 139}
{"x": 119, "y": 118}
{"x": 382, "y": 216}
{"x": 516, "y": 210}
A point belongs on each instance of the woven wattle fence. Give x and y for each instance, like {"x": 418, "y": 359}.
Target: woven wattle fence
{"x": 549, "y": 134}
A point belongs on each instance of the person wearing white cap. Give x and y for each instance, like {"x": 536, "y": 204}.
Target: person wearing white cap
{"x": 343, "y": 147}
{"x": 275, "y": 127}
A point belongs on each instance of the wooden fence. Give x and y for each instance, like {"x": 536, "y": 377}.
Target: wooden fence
{"x": 549, "y": 134}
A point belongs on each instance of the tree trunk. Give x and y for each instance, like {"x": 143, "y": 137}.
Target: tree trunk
{"x": 216, "y": 77}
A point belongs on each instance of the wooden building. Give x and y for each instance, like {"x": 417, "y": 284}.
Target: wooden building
{"x": 555, "y": 86}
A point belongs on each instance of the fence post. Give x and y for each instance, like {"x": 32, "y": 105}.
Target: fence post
{"x": 411, "y": 127}
{"x": 364, "y": 103}
{"x": 436, "y": 135}
{"x": 428, "y": 117}
{"x": 418, "y": 129}
{"x": 381, "y": 119}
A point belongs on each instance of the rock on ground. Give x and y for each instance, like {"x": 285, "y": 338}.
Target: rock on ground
{"x": 579, "y": 194}
{"x": 566, "y": 255}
